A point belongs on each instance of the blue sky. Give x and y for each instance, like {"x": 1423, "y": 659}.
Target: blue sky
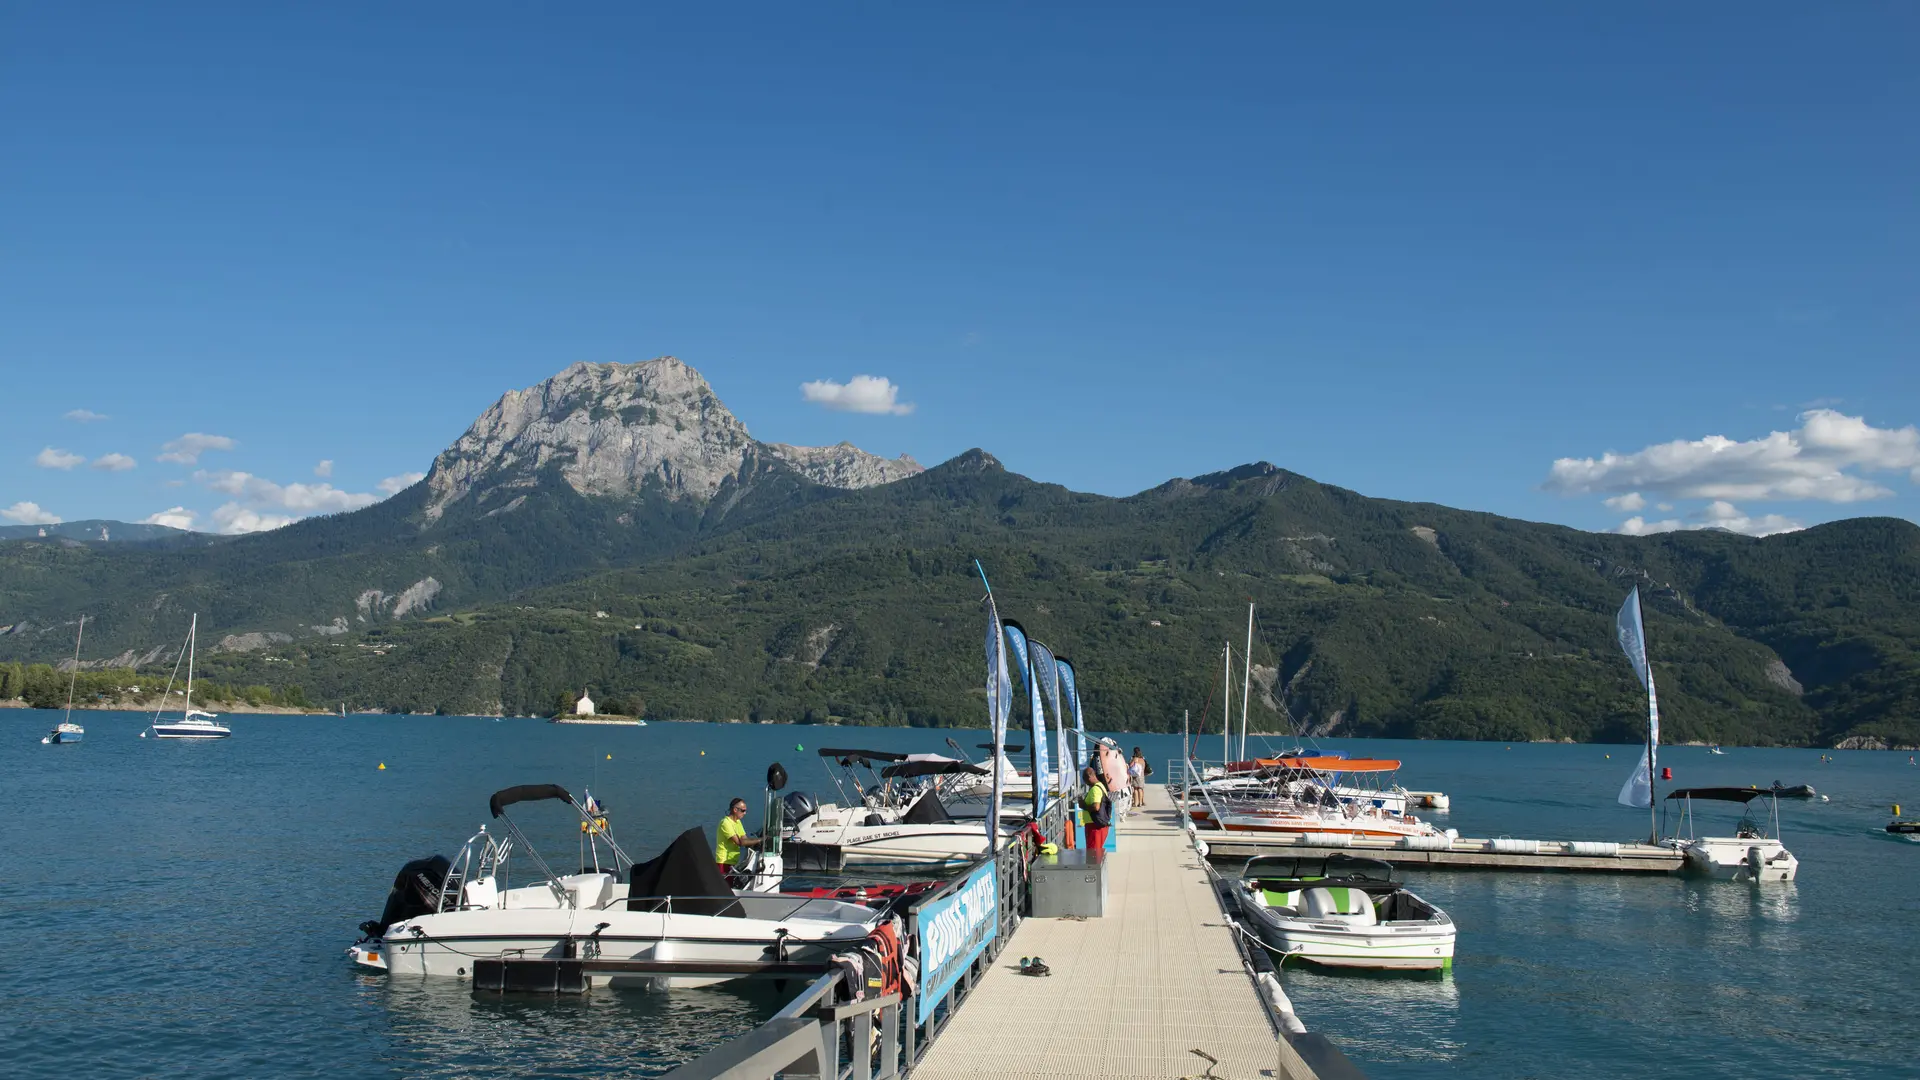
{"x": 1423, "y": 254}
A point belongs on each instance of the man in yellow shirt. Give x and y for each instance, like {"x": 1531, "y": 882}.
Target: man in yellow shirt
{"x": 733, "y": 836}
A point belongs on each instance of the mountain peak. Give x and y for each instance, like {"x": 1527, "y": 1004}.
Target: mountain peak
{"x": 618, "y": 429}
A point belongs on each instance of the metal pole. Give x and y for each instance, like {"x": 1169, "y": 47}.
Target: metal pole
{"x": 1226, "y": 717}
{"x": 1246, "y": 687}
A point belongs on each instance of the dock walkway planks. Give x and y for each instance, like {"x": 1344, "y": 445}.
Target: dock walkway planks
{"x": 1234, "y": 848}
{"x": 1130, "y": 993}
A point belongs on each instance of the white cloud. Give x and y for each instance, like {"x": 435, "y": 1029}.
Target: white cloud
{"x": 324, "y": 469}
{"x": 303, "y": 498}
{"x": 1719, "y": 514}
{"x": 50, "y": 458}
{"x": 26, "y": 513}
{"x": 394, "y": 485}
{"x": 861, "y": 394}
{"x": 175, "y": 517}
{"x": 1810, "y": 462}
{"x": 1664, "y": 507}
{"x": 115, "y": 463}
{"x": 233, "y": 519}
{"x": 85, "y": 416}
{"x": 186, "y": 449}
{"x": 1631, "y": 501}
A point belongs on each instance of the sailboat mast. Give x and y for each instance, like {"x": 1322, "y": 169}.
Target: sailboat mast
{"x": 74, "y": 675}
{"x": 1226, "y": 715}
{"x": 193, "y": 629}
{"x": 1246, "y": 686}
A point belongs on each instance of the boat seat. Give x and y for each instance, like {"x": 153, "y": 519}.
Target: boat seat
{"x": 1288, "y": 899}
{"x": 1340, "y": 904}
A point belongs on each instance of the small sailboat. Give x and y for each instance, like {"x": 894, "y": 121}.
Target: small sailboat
{"x": 67, "y": 731}
{"x": 193, "y": 723}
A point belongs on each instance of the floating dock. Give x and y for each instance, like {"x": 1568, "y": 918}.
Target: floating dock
{"x": 1497, "y": 853}
{"x": 1131, "y": 993}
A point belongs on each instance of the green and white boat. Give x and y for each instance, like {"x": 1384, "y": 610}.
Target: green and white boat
{"x": 1340, "y": 911}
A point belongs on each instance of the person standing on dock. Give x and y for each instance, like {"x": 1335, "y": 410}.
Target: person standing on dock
{"x": 1096, "y": 810}
{"x": 733, "y": 836}
{"x": 1137, "y": 771}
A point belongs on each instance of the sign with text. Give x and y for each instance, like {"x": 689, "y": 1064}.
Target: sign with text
{"x": 953, "y": 931}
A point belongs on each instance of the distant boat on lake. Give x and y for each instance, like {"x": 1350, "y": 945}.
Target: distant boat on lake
{"x": 67, "y": 731}
{"x": 193, "y": 723}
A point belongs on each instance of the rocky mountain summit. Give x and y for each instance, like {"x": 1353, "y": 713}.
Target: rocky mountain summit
{"x": 624, "y": 429}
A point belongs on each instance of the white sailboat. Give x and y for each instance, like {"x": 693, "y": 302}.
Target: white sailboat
{"x": 193, "y": 723}
{"x": 67, "y": 731}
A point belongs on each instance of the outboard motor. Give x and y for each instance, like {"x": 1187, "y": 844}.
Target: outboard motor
{"x": 798, "y": 806}
{"x": 416, "y": 891}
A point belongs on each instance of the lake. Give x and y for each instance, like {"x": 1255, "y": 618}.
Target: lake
{"x": 181, "y": 909}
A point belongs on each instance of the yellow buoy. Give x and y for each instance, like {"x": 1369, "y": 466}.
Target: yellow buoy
{"x": 383, "y": 766}
{"x": 609, "y": 757}
{"x": 1609, "y": 757}
{"x": 703, "y": 753}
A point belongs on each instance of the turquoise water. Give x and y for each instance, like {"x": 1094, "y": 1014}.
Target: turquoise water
{"x": 179, "y": 909}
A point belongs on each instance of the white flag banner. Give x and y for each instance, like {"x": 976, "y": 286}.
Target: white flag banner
{"x": 1632, "y": 634}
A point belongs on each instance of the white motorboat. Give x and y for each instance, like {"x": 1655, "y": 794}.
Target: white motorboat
{"x": 1345, "y": 912}
{"x": 1306, "y": 799}
{"x": 895, "y": 821}
{"x": 1753, "y": 853}
{"x": 193, "y": 723}
{"x": 671, "y": 920}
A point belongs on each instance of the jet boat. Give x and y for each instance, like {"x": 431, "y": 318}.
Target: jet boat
{"x": 1344, "y": 912}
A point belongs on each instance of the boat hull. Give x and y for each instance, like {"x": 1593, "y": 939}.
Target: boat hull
{"x": 446, "y": 945}
{"x": 61, "y": 737}
{"x": 190, "y": 731}
{"x": 1736, "y": 859}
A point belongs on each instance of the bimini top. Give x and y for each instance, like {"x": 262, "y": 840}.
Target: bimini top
{"x": 864, "y": 756}
{"x": 1721, "y": 794}
{"x": 932, "y": 765}
{"x": 1339, "y": 764}
{"x": 526, "y": 793}
{"x": 1005, "y": 748}
{"x": 1335, "y": 867}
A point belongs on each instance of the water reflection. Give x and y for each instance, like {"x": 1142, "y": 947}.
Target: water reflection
{"x": 441, "y": 1028}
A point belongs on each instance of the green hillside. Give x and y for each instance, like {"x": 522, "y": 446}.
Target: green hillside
{"x": 805, "y": 604}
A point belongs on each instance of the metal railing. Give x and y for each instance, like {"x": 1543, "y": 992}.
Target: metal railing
{"x": 821, "y": 1035}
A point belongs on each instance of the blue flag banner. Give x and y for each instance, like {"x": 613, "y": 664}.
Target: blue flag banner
{"x": 999, "y": 708}
{"x": 1072, "y": 694}
{"x": 1049, "y": 680}
{"x": 1036, "y": 716}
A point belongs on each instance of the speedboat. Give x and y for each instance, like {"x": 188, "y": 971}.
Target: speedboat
{"x": 1797, "y": 791}
{"x": 193, "y": 723}
{"x": 672, "y": 920}
{"x": 894, "y": 821}
{"x": 1902, "y": 826}
{"x": 1307, "y": 801}
{"x": 68, "y": 732}
{"x": 1344, "y": 912}
{"x": 1715, "y": 750}
{"x": 1753, "y": 853}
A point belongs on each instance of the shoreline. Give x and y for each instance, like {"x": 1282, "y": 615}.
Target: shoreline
{"x": 151, "y": 704}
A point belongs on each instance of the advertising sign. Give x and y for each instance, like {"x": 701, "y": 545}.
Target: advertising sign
{"x": 953, "y": 931}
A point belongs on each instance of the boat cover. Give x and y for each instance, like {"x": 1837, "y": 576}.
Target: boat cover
{"x": 863, "y": 756}
{"x": 1720, "y": 794}
{"x": 526, "y": 793}
{"x": 687, "y": 873}
{"x": 927, "y": 810}
{"x": 933, "y": 766}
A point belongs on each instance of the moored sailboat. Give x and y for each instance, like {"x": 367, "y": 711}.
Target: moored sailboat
{"x": 193, "y": 723}
{"x": 66, "y": 731}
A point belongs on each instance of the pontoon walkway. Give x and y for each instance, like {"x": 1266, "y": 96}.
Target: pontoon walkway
{"x": 1131, "y": 993}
